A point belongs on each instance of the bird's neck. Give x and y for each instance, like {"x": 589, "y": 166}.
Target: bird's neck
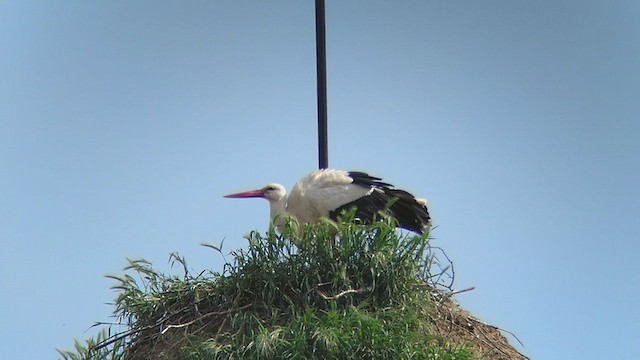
{"x": 278, "y": 208}
{"x": 278, "y": 212}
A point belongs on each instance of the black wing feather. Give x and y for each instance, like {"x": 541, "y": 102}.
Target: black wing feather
{"x": 411, "y": 214}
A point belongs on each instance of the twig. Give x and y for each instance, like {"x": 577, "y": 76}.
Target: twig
{"x": 202, "y": 317}
{"x": 460, "y": 291}
{"x": 128, "y": 333}
{"x": 120, "y": 336}
{"x": 497, "y": 328}
{"x": 342, "y": 293}
{"x": 452, "y": 273}
{"x": 224, "y": 322}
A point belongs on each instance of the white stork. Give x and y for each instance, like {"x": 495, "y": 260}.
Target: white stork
{"x": 326, "y": 193}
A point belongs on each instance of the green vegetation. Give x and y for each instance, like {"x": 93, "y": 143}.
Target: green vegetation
{"x": 346, "y": 291}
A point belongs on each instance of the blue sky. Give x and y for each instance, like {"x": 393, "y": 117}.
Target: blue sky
{"x": 124, "y": 123}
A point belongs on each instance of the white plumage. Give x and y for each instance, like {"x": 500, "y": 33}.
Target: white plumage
{"x": 325, "y": 193}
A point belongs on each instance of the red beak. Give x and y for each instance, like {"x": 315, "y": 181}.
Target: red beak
{"x": 246, "y": 194}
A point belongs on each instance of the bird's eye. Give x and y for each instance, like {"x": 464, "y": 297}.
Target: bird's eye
{"x": 270, "y": 188}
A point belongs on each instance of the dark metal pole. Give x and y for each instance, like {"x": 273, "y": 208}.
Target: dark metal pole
{"x": 321, "y": 60}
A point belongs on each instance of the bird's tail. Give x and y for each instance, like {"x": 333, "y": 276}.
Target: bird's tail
{"x": 412, "y": 214}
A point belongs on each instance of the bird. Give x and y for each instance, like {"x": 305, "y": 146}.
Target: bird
{"x": 326, "y": 193}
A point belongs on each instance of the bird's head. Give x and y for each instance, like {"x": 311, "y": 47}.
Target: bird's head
{"x": 271, "y": 192}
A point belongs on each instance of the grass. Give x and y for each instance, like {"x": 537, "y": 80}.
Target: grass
{"x": 345, "y": 291}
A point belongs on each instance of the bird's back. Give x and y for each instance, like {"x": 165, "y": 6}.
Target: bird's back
{"x": 326, "y": 193}
{"x": 318, "y": 193}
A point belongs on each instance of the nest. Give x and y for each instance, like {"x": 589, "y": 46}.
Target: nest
{"x": 460, "y": 327}
{"x": 185, "y": 322}
{"x": 401, "y": 283}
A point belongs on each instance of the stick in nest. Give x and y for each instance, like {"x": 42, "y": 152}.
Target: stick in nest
{"x": 202, "y": 317}
{"x": 342, "y": 293}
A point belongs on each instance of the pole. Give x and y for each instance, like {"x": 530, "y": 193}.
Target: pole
{"x": 321, "y": 61}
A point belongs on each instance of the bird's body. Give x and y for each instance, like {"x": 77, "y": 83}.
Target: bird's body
{"x": 326, "y": 193}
